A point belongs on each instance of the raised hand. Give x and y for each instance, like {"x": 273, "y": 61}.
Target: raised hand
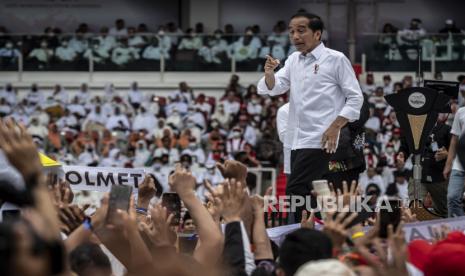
{"x": 271, "y": 64}
{"x": 233, "y": 169}
{"x": 159, "y": 230}
{"x": 215, "y": 205}
{"x": 398, "y": 249}
{"x": 308, "y": 220}
{"x": 20, "y": 150}
{"x": 146, "y": 192}
{"x": 233, "y": 198}
{"x": 182, "y": 182}
{"x": 336, "y": 227}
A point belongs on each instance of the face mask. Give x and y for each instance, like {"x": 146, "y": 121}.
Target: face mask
{"x": 389, "y": 150}
{"x": 214, "y": 125}
{"x": 89, "y": 150}
{"x": 236, "y": 134}
{"x": 211, "y": 171}
{"x": 161, "y": 33}
{"x": 217, "y": 36}
{"x": 192, "y": 145}
{"x": 190, "y": 125}
{"x": 157, "y": 166}
{"x": 389, "y": 127}
{"x": 9, "y": 45}
{"x": 366, "y": 151}
{"x": 43, "y": 45}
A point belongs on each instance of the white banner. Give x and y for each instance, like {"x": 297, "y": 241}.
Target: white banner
{"x": 424, "y": 230}
{"x": 101, "y": 179}
{"x": 413, "y": 231}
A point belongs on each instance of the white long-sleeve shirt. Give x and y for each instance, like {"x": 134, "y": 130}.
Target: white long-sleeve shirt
{"x": 322, "y": 87}
{"x": 281, "y": 124}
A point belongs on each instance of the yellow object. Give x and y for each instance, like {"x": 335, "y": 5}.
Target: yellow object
{"x": 357, "y": 235}
{"x": 48, "y": 162}
{"x": 417, "y": 122}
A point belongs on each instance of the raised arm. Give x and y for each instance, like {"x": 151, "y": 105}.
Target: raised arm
{"x": 274, "y": 83}
{"x": 211, "y": 238}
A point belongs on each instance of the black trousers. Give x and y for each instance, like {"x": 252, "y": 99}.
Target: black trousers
{"x": 307, "y": 165}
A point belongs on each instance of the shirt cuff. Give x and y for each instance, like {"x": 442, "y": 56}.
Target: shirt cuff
{"x": 262, "y": 89}
{"x": 350, "y": 113}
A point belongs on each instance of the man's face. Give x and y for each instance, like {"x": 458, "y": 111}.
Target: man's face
{"x": 189, "y": 226}
{"x": 302, "y": 36}
{"x": 371, "y": 172}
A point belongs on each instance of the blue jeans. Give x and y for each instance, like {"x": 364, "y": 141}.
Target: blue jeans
{"x": 455, "y": 193}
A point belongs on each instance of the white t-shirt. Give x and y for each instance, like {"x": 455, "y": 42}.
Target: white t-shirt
{"x": 457, "y": 129}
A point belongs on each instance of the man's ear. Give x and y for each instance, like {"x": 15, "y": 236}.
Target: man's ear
{"x": 280, "y": 272}
{"x": 318, "y": 34}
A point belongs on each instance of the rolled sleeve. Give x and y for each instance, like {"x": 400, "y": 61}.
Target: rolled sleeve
{"x": 351, "y": 90}
{"x": 282, "y": 82}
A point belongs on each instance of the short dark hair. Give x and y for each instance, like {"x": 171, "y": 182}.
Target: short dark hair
{"x": 314, "y": 21}
{"x": 301, "y": 246}
{"x": 88, "y": 255}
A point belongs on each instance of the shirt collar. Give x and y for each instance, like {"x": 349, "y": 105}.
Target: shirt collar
{"x": 317, "y": 52}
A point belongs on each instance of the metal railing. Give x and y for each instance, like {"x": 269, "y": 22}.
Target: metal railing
{"x": 264, "y": 182}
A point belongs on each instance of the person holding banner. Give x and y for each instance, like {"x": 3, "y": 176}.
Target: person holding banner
{"x": 324, "y": 97}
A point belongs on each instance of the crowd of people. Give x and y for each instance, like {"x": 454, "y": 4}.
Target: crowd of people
{"x": 124, "y": 46}
{"x": 140, "y": 129}
{"x": 403, "y": 44}
{"x": 54, "y": 236}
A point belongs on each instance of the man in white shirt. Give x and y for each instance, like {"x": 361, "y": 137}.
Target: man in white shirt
{"x": 409, "y": 38}
{"x": 281, "y": 125}
{"x": 42, "y": 55}
{"x": 9, "y": 94}
{"x": 123, "y": 54}
{"x": 144, "y": 121}
{"x": 371, "y": 177}
{"x": 118, "y": 121}
{"x": 35, "y": 96}
{"x": 83, "y": 94}
{"x": 453, "y": 170}
{"x": 212, "y": 174}
{"x": 68, "y": 120}
{"x": 76, "y": 108}
{"x": 324, "y": 97}
{"x": 135, "y": 96}
{"x": 254, "y": 107}
{"x": 388, "y": 86}
{"x": 134, "y": 40}
{"x": 195, "y": 151}
{"x": 65, "y": 53}
{"x": 230, "y": 104}
{"x": 216, "y": 46}
{"x": 36, "y": 129}
{"x": 96, "y": 117}
{"x": 119, "y": 29}
{"x": 369, "y": 86}
{"x": 155, "y": 52}
{"x": 9, "y": 51}
{"x": 106, "y": 41}
{"x": 78, "y": 43}
{"x": 273, "y": 49}
{"x": 60, "y": 95}
{"x": 246, "y": 48}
